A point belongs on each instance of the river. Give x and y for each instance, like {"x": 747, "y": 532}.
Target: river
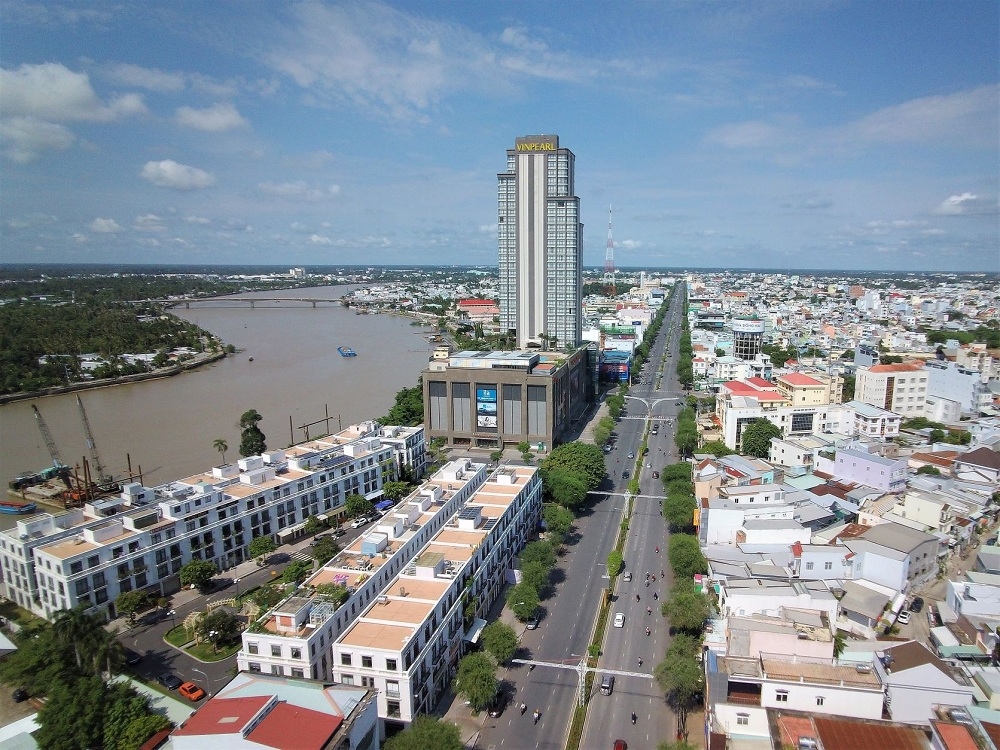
{"x": 168, "y": 425}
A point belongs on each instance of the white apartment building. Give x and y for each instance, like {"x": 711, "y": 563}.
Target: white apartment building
{"x": 295, "y": 637}
{"x": 956, "y": 383}
{"x": 870, "y": 421}
{"x": 899, "y": 388}
{"x": 407, "y": 643}
{"x": 143, "y": 537}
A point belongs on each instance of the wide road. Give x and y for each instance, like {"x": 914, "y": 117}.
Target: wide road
{"x": 656, "y": 398}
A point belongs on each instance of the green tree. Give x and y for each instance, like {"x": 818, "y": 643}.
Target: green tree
{"x": 395, "y": 490}
{"x": 717, "y": 448}
{"x": 198, "y": 573}
{"x": 756, "y": 438}
{"x": 325, "y": 550}
{"x": 266, "y": 596}
{"x": 523, "y": 601}
{"x": 615, "y": 563}
{"x": 131, "y": 602}
{"x": 219, "y": 627}
{"x": 931, "y": 470}
{"x": 686, "y": 608}
{"x": 558, "y": 520}
{"x": 72, "y": 717}
{"x": 680, "y": 676}
{"x": 358, "y": 506}
{"x": 542, "y": 552}
{"x": 685, "y": 556}
{"x": 536, "y": 575}
{"x": 500, "y": 641}
{"x": 686, "y": 439}
{"x": 296, "y": 571}
{"x": 251, "y": 438}
{"x": 261, "y": 547}
{"x": 566, "y": 488}
{"x": 334, "y": 591}
{"x": 679, "y": 510}
{"x": 477, "y": 680}
{"x": 222, "y": 446}
{"x": 935, "y": 436}
{"x": 495, "y": 456}
{"x": 580, "y": 458}
{"x": 141, "y": 729}
{"x": 408, "y": 410}
{"x": 82, "y": 633}
{"x": 427, "y": 732}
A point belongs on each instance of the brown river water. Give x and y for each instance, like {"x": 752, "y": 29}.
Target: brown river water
{"x": 168, "y": 425}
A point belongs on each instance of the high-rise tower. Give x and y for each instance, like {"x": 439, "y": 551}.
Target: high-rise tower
{"x": 540, "y": 241}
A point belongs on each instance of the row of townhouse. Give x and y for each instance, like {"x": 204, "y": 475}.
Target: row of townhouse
{"x": 140, "y": 539}
{"x": 419, "y": 584}
{"x": 294, "y": 638}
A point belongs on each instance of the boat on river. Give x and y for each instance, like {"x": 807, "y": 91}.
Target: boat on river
{"x": 346, "y": 351}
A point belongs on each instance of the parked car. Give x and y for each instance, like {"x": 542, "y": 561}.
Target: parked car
{"x": 191, "y": 691}
{"x": 531, "y": 624}
{"x": 904, "y": 617}
{"x": 619, "y": 620}
{"x": 357, "y": 523}
{"x": 170, "y": 681}
{"x": 916, "y": 605}
{"x": 20, "y": 695}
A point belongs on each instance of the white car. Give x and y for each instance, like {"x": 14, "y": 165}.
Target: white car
{"x": 357, "y": 523}
{"x": 904, "y": 617}
{"x": 619, "y": 620}
{"x": 627, "y": 576}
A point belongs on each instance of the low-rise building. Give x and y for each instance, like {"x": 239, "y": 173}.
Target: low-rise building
{"x": 899, "y": 388}
{"x": 915, "y": 680}
{"x": 871, "y": 469}
{"x": 748, "y": 596}
{"x": 140, "y": 539}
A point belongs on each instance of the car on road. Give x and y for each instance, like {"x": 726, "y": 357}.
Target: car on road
{"x": 620, "y": 745}
{"x": 132, "y": 658}
{"x": 904, "y": 617}
{"x": 628, "y": 576}
{"x": 656, "y": 475}
{"x": 624, "y": 475}
{"x": 357, "y": 523}
{"x": 532, "y": 623}
{"x": 607, "y": 449}
{"x": 191, "y": 691}
{"x": 619, "y": 620}
{"x": 631, "y": 455}
{"x": 917, "y": 604}
{"x": 169, "y": 680}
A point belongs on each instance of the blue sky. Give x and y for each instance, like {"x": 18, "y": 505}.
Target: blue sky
{"x": 840, "y": 135}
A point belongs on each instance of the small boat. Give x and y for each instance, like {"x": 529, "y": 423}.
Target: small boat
{"x": 17, "y": 508}
{"x": 346, "y": 351}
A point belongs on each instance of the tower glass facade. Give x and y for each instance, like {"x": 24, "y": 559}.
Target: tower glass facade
{"x": 540, "y": 244}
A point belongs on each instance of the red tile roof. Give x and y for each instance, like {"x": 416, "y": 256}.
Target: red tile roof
{"x": 797, "y": 378}
{"x": 475, "y": 302}
{"x": 291, "y": 727}
{"x": 955, "y": 736}
{"x": 222, "y": 716}
{"x": 901, "y": 367}
{"x": 847, "y": 734}
{"x": 985, "y": 457}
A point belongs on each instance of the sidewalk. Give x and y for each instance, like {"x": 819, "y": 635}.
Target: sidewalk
{"x": 469, "y": 724}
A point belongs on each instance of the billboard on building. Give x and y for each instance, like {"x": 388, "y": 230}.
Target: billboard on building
{"x": 486, "y": 407}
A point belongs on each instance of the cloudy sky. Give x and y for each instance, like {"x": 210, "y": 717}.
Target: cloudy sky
{"x": 820, "y": 134}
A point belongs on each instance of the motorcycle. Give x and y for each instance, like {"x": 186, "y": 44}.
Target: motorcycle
{"x": 524, "y": 708}
{"x": 633, "y": 717}
{"x": 537, "y": 715}
{"x": 647, "y": 631}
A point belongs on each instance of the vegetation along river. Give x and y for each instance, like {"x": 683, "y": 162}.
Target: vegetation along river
{"x": 168, "y": 425}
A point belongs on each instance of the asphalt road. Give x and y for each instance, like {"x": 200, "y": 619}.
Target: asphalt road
{"x": 566, "y": 628}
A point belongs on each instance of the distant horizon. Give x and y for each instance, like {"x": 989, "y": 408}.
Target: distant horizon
{"x": 284, "y": 268}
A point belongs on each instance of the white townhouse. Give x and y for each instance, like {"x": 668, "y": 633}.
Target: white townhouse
{"x": 141, "y": 539}
{"x": 891, "y": 554}
{"x": 407, "y": 642}
{"x": 295, "y": 637}
{"x": 749, "y": 596}
{"x": 916, "y": 680}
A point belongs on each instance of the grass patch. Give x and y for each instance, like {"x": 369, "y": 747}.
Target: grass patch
{"x": 13, "y": 613}
{"x": 576, "y": 728}
{"x": 177, "y": 636}
{"x": 206, "y": 652}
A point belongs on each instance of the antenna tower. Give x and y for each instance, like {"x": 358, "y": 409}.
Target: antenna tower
{"x": 609, "y": 262}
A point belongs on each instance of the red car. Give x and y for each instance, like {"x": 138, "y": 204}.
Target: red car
{"x": 191, "y": 691}
{"x": 621, "y": 745}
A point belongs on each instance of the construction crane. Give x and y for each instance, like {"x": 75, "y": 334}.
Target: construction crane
{"x": 58, "y": 468}
{"x": 102, "y": 475}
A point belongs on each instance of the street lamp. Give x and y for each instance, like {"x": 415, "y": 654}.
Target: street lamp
{"x": 237, "y": 582}
{"x": 173, "y": 622}
{"x": 208, "y": 685}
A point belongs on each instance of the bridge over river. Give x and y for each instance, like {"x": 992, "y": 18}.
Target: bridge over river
{"x": 249, "y": 302}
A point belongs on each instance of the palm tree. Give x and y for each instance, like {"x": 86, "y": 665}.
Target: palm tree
{"x": 222, "y": 446}
{"x": 74, "y": 627}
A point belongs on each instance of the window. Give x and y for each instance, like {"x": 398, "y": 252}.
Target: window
{"x": 809, "y": 566}
{"x": 392, "y": 688}
{"x": 296, "y": 653}
{"x": 275, "y": 650}
{"x": 782, "y": 696}
{"x": 828, "y": 566}
{"x": 76, "y": 567}
{"x": 392, "y": 709}
{"x": 819, "y": 700}
{"x": 743, "y": 719}
{"x": 253, "y": 648}
{"x": 347, "y": 679}
{"x": 345, "y": 659}
{"x": 366, "y": 661}
{"x": 391, "y": 665}
{"x": 298, "y": 672}
{"x": 254, "y": 666}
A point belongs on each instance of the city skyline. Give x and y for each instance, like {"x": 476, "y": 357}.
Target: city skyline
{"x": 833, "y": 136}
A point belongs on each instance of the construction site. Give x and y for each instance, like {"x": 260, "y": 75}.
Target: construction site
{"x": 61, "y": 486}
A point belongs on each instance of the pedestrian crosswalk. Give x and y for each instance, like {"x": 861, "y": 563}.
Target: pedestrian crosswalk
{"x": 301, "y": 556}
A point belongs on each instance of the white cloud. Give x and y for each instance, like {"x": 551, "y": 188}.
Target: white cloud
{"x": 77, "y": 237}
{"x": 966, "y": 204}
{"x": 755, "y": 134}
{"x": 149, "y": 223}
{"x": 318, "y": 239}
{"x": 197, "y": 220}
{"x": 168, "y": 173}
{"x": 629, "y": 244}
{"x": 51, "y": 91}
{"x": 215, "y": 119}
{"x": 489, "y": 228}
{"x": 953, "y": 118}
{"x": 152, "y": 79}
{"x": 105, "y": 226}
{"x": 24, "y": 138}
{"x": 298, "y": 189}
